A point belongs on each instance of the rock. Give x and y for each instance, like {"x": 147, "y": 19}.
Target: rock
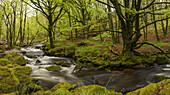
{"x": 161, "y": 77}
{"x": 38, "y": 61}
{"x": 30, "y": 56}
{"x": 162, "y": 60}
{"x": 63, "y": 64}
{"x": 2, "y": 55}
{"x": 2, "y": 49}
{"x": 152, "y": 88}
{"x": 94, "y": 90}
{"x": 16, "y": 58}
{"x": 8, "y": 82}
{"x": 53, "y": 68}
{"x": 42, "y": 92}
{"x": 61, "y": 91}
{"x": 63, "y": 85}
{"x": 31, "y": 88}
{"x": 23, "y": 73}
{"x": 4, "y": 62}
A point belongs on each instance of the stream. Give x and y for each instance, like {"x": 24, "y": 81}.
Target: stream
{"x": 120, "y": 81}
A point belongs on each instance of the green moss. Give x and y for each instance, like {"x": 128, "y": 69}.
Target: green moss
{"x": 16, "y": 58}
{"x": 161, "y": 77}
{"x": 61, "y": 91}
{"x": 2, "y": 49}
{"x": 53, "y": 68}
{"x": 31, "y": 88}
{"x": 8, "y": 82}
{"x": 94, "y": 90}
{"x": 23, "y": 73}
{"x": 2, "y": 55}
{"x": 151, "y": 88}
{"x": 62, "y": 63}
{"x": 42, "y": 92}
{"x": 162, "y": 60}
{"x": 4, "y": 62}
{"x": 63, "y": 85}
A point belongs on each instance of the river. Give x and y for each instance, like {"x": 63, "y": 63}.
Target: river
{"x": 120, "y": 81}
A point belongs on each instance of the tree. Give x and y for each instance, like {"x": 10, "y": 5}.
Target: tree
{"x": 52, "y": 10}
{"x": 128, "y": 12}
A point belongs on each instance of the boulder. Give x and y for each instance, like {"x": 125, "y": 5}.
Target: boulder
{"x": 63, "y": 85}
{"x": 8, "y": 82}
{"x": 53, "y": 68}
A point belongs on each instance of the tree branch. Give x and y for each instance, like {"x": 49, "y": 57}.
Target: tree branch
{"x": 154, "y": 22}
{"x": 147, "y": 6}
{"x": 148, "y": 43}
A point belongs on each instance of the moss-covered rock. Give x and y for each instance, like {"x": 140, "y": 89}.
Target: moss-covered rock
{"x": 163, "y": 86}
{"x": 2, "y": 49}
{"x": 16, "y": 58}
{"x": 53, "y": 68}
{"x": 63, "y": 64}
{"x": 8, "y": 82}
{"x": 94, "y": 90}
{"x": 31, "y": 88}
{"x": 30, "y": 56}
{"x": 162, "y": 60}
{"x": 4, "y": 62}
{"x": 161, "y": 77}
{"x": 2, "y": 55}
{"x": 42, "y": 92}
{"x": 61, "y": 91}
{"x": 23, "y": 73}
{"x": 63, "y": 85}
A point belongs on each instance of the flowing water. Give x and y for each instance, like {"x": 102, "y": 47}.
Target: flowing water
{"x": 121, "y": 81}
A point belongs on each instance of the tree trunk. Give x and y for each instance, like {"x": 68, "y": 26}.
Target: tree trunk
{"x": 20, "y": 28}
{"x": 155, "y": 25}
{"x": 110, "y": 21}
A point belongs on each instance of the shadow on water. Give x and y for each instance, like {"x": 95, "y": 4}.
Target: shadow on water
{"x": 120, "y": 81}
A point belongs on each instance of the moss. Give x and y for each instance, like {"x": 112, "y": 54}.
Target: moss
{"x": 30, "y": 56}
{"x": 162, "y": 60}
{"x": 94, "y": 90}
{"x": 63, "y": 64}
{"x": 53, "y": 68}
{"x": 8, "y": 82}
{"x": 23, "y": 73}
{"x": 61, "y": 91}
{"x": 42, "y": 92}
{"x": 4, "y": 62}
{"x": 151, "y": 88}
{"x": 63, "y": 85}
{"x": 2, "y": 55}
{"x": 16, "y": 58}
{"x": 31, "y": 88}
{"x": 161, "y": 77}
{"x": 13, "y": 93}
{"x": 2, "y": 49}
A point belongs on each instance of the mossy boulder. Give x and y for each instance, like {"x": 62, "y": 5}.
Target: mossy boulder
{"x": 161, "y": 77}
{"x": 2, "y": 55}
{"x": 63, "y": 64}
{"x": 4, "y": 62}
{"x": 8, "y": 82}
{"x": 2, "y": 49}
{"x": 42, "y": 92}
{"x": 16, "y": 58}
{"x": 61, "y": 91}
{"x": 94, "y": 90}
{"x": 63, "y": 85}
{"x": 53, "y": 68}
{"x": 23, "y": 73}
{"x": 150, "y": 89}
{"x": 31, "y": 88}
{"x": 30, "y": 56}
{"x": 63, "y": 51}
{"x": 162, "y": 60}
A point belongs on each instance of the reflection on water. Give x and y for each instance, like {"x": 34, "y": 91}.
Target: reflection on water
{"x": 123, "y": 81}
